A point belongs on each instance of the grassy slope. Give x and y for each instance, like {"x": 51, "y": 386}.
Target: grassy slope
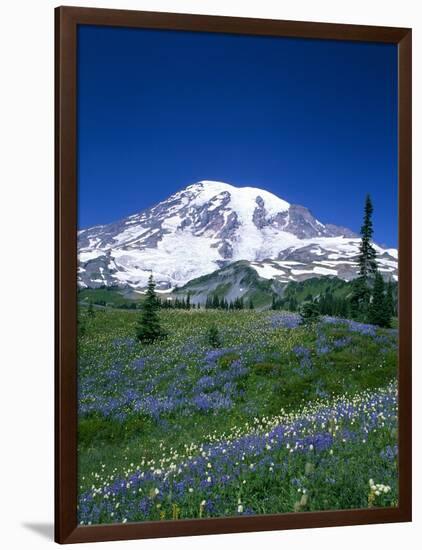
{"x": 107, "y": 296}
{"x": 279, "y": 376}
{"x": 317, "y": 286}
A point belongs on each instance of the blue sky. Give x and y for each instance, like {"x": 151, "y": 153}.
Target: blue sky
{"x": 313, "y": 121}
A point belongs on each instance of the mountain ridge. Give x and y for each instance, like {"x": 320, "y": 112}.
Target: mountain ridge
{"x": 209, "y": 225}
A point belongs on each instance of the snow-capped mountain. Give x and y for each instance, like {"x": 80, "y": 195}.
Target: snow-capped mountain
{"x": 209, "y": 225}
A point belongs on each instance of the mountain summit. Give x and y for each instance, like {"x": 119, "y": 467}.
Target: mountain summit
{"x": 207, "y": 226}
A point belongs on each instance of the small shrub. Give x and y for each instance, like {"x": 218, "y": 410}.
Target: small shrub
{"x": 213, "y": 337}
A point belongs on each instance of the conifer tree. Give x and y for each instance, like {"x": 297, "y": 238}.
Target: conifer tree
{"x": 213, "y": 337}
{"x": 379, "y": 313}
{"x": 390, "y": 299}
{"x": 367, "y": 254}
{"x": 309, "y": 312}
{"x": 361, "y": 295}
{"x": 148, "y": 328}
{"x": 292, "y": 303}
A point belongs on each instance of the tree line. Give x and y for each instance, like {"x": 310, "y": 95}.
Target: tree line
{"x": 328, "y": 303}
{"x": 212, "y": 302}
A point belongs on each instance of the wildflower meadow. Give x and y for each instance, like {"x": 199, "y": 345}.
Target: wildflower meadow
{"x": 274, "y": 417}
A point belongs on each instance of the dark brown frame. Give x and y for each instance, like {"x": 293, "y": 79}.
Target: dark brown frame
{"x": 66, "y": 21}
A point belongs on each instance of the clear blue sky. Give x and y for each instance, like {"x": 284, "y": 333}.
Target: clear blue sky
{"x": 312, "y": 121}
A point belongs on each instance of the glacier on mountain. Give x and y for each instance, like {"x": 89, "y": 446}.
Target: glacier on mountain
{"x": 208, "y": 225}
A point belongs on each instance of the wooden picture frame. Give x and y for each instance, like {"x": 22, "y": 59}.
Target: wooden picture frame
{"x": 67, "y": 20}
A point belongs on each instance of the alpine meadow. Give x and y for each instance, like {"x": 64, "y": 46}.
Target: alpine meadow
{"x": 237, "y": 275}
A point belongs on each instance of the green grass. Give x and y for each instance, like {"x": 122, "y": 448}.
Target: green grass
{"x": 107, "y": 297}
{"x": 285, "y": 370}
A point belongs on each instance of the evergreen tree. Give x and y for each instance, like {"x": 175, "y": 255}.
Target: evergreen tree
{"x": 361, "y": 295}
{"x": 327, "y": 303}
{"x": 251, "y": 304}
{"x": 213, "y": 337}
{"x": 378, "y": 313}
{"x": 148, "y": 328}
{"x": 309, "y": 312}
{"x": 238, "y": 303}
{"x": 292, "y": 303}
{"x": 390, "y": 302}
{"x": 215, "y": 302}
{"x": 359, "y": 301}
{"x": 367, "y": 254}
{"x": 188, "y": 301}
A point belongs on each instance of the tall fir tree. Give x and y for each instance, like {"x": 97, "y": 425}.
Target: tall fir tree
{"x": 367, "y": 254}
{"x": 379, "y": 313}
{"x": 148, "y": 328}
{"x": 367, "y": 266}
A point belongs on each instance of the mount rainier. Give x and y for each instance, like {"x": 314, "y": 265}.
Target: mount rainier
{"x": 209, "y": 225}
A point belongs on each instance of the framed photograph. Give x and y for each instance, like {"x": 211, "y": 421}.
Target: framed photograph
{"x": 233, "y": 274}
